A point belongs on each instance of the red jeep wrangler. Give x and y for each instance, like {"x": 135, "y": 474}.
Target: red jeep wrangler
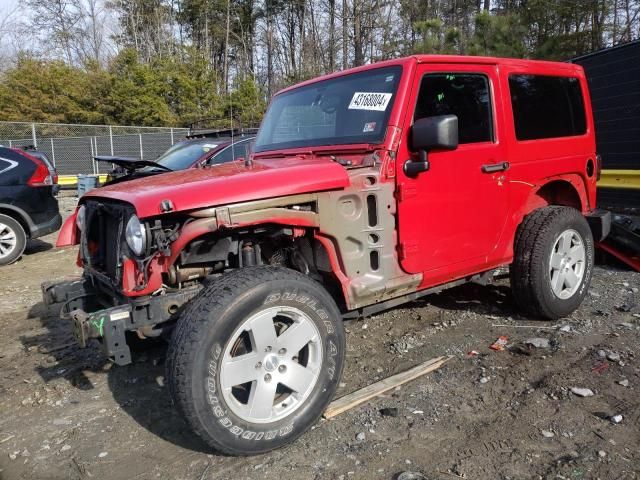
{"x": 366, "y": 189}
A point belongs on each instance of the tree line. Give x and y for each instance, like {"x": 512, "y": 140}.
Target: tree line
{"x": 170, "y": 62}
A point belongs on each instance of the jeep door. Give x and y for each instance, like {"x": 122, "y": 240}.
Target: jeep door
{"x": 452, "y": 215}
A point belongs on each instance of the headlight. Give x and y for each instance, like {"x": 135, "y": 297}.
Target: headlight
{"x": 136, "y": 235}
{"x": 80, "y": 218}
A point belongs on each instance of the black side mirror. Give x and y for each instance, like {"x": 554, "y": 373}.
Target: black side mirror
{"x": 435, "y": 133}
{"x": 431, "y": 133}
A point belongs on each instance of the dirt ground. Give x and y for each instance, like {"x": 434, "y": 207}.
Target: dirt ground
{"x": 66, "y": 413}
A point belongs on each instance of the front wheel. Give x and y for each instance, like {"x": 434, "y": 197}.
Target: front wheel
{"x": 553, "y": 262}
{"x": 256, "y": 358}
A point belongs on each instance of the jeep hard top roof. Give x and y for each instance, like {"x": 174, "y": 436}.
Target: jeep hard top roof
{"x": 554, "y": 68}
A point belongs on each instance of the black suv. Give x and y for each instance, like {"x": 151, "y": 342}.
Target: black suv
{"x": 28, "y": 208}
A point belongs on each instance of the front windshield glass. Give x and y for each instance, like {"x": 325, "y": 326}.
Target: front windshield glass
{"x": 184, "y": 155}
{"x": 354, "y": 108}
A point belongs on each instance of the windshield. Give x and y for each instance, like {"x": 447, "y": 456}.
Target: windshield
{"x": 184, "y": 155}
{"x": 354, "y": 108}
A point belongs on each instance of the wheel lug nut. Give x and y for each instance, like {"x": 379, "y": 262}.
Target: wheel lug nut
{"x": 282, "y": 351}
{"x": 282, "y": 368}
{"x": 268, "y": 349}
{"x": 267, "y": 378}
{"x": 258, "y": 365}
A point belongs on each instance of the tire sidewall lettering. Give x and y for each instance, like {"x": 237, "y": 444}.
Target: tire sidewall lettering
{"x": 304, "y": 299}
{"x": 220, "y": 413}
{"x": 588, "y": 271}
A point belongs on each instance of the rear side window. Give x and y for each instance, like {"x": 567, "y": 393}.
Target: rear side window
{"x": 547, "y": 107}
{"x": 5, "y": 165}
{"x": 11, "y": 171}
{"x": 463, "y": 95}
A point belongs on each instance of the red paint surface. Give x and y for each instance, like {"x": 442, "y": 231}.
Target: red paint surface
{"x": 461, "y": 210}
{"x": 226, "y": 184}
{"x": 68, "y": 234}
{"x": 455, "y": 220}
{"x": 133, "y": 280}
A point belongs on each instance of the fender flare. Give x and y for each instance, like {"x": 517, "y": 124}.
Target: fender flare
{"x": 536, "y": 198}
{"x": 22, "y": 216}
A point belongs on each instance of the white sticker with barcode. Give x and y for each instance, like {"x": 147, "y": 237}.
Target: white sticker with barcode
{"x": 121, "y": 315}
{"x": 370, "y": 101}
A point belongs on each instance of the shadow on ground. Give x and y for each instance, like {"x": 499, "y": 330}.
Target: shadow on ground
{"x": 480, "y": 299}
{"x": 36, "y": 246}
{"x": 139, "y": 388}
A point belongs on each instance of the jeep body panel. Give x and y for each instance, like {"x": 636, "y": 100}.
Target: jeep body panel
{"x": 380, "y": 233}
{"x": 226, "y": 184}
{"x": 468, "y": 217}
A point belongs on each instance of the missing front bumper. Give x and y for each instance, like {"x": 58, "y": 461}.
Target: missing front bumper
{"x": 92, "y": 318}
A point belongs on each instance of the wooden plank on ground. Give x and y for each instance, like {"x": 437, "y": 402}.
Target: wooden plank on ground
{"x": 367, "y": 393}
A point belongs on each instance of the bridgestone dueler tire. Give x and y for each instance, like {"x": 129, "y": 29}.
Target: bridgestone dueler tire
{"x": 21, "y": 240}
{"x": 198, "y": 345}
{"x": 529, "y": 272}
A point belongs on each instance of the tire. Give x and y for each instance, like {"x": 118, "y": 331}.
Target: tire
{"x": 549, "y": 274}
{"x": 13, "y": 240}
{"x": 247, "y": 314}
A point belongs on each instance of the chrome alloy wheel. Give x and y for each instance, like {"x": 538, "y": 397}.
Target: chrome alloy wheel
{"x": 8, "y": 240}
{"x": 271, "y": 364}
{"x": 567, "y": 264}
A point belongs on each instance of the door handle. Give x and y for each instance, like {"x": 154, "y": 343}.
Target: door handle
{"x": 495, "y": 167}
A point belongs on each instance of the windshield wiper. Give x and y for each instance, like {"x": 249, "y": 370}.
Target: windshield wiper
{"x": 279, "y": 154}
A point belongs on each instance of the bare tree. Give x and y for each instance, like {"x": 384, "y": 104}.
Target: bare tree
{"x": 345, "y": 34}
{"x": 92, "y": 33}
{"x": 9, "y": 22}
{"x": 58, "y": 19}
{"x": 278, "y": 42}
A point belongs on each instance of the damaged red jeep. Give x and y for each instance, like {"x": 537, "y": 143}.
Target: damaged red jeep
{"x": 366, "y": 189}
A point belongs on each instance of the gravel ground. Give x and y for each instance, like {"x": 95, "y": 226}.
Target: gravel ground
{"x": 517, "y": 413}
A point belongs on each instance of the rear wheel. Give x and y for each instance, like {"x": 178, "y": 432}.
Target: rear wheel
{"x": 553, "y": 262}
{"x": 256, "y": 358}
{"x": 13, "y": 240}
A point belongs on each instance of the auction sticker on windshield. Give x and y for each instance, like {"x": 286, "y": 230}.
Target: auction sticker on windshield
{"x": 370, "y": 101}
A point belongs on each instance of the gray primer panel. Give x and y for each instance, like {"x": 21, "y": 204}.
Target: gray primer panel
{"x": 344, "y": 217}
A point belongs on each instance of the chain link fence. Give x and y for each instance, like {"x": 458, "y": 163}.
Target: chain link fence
{"x": 72, "y": 147}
